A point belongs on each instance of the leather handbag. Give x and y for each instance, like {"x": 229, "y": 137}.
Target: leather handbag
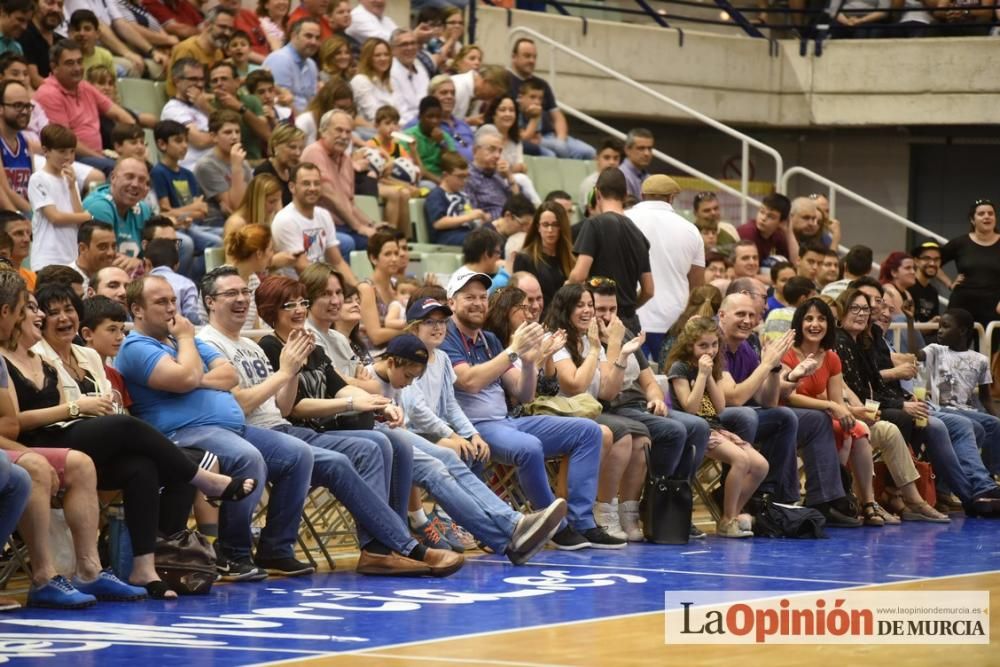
{"x": 925, "y": 483}
{"x": 185, "y": 562}
{"x": 666, "y": 507}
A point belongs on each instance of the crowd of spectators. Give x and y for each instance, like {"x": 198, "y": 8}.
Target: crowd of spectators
{"x": 129, "y": 366}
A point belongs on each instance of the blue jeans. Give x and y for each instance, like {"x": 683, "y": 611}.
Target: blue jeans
{"x": 537, "y": 150}
{"x": 568, "y": 147}
{"x": 526, "y": 442}
{"x": 668, "y": 440}
{"x": 465, "y": 498}
{"x": 262, "y": 454}
{"x": 401, "y": 471}
{"x": 651, "y": 348}
{"x": 991, "y": 437}
{"x": 350, "y": 240}
{"x": 15, "y": 487}
{"x": 194, "y": 240}
{"x": 951, "y": 444}
{"x": 353, "y": 469}
{"x": 103, "y": 164}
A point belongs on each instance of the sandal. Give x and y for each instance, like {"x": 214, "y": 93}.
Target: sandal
{"x": 158, "y": 590}
{"x": 890, "y": 518}
{"x": 893, "y": 502}
{"x": 871, "y": 515}
{"x": 233, "y": 492}
{"x": 924, "y": 512}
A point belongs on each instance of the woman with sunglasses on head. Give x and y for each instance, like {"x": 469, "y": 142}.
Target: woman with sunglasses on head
{"x": 61, "y": 393}
{"x": 583, "y": 366}
{"x": 977, "y": 260}
{"x": 548, "y": 249}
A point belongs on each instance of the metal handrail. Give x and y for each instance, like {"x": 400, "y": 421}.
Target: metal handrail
{"x": 674, "y": 162}
{"x": 834, "y": 188}
{"x": 985, "y": 335}
{"x": 746, "y": 141}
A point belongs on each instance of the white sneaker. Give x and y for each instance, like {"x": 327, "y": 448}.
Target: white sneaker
{"x": 628, "y": 516}
{"x": 606, "y": 516}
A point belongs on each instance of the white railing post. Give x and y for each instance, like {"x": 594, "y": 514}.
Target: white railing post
{"x": 744, "y": 181}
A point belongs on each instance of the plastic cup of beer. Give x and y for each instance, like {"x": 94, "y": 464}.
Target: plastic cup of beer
{"x": 920, "y": 394}
{"x": 871, "y": 407}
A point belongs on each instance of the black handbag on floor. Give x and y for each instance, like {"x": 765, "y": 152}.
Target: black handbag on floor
{"x": 185, "y": 562}
{"x": 666, "y": 508}
{"x": 773, "y": 519}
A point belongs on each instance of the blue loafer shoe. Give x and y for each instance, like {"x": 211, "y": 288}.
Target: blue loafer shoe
{"x": 109, "y": 587}
{"x": 58, "y": 593}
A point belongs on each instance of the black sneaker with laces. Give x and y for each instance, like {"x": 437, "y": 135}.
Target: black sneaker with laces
{"x": 599, "y": 539}
{"x": 288, "y": 567}
{"x": 240, "y": 569}
{"x": 696, "y": 533}
{"x": 568, "y": 539}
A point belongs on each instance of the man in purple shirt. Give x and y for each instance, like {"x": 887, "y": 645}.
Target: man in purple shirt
{"x": 638, "y": 155}
{"x": 490, "y": 180}
{"x": 757, "y": 382}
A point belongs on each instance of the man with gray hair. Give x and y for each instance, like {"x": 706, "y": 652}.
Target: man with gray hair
{"x": 292, "y": 65}
{"x": 409, "y": 76}
{"x": 491, "y": 180}
{"x": 638, "y": 156}
{"x": 806, "y": 228}
{"x": 330, "y": 154}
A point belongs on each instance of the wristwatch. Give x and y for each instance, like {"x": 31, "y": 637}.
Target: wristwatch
{"x": 243, "y": 109}
{"x": 512, "y": 355}
{"x": 74, "y": 409}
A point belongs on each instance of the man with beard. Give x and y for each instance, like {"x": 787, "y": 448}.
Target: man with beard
{"x": 255, "y": 131}
{"x": 39, "y": 37}
{"x": 207, "y": 46}
{"x": 18, "y": 228}
{"x": 14, "y": 117}
{"x": 926, "y": 305}
{"x": 803, "y": 216}
{"x": 292, "y": 65}
{"x": 70, "y": 101}
{"x": 120, "y": 203}
{"x": 487, "y": 373}
{"x": 306, "y": 230}
{"x": 753, "y": 380}
{"x": 330, "y": 153}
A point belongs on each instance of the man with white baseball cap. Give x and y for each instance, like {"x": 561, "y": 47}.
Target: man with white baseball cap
{"x": 486, "y": 374}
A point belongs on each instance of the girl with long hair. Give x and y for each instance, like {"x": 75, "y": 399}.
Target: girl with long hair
{"x": 260, "y": 203}
{"x": 548, "y": 249}
{"x": 695, "y": 368}
{"x": 582, "y": 366}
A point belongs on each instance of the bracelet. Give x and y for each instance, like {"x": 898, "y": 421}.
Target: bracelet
{"x": 621, "y": 366}
{"x": 350, "y": 403}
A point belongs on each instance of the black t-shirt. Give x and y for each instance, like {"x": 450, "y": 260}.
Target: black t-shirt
{"x": 620, "y": 252}
{"x": 317, "y": 379}
{"x": 549, "y": 273}
{"x": 925, "y": 302}
{"x": 979, "y": 264}
{"x": 36, "y": 49}
{"x": 266, "y": 167}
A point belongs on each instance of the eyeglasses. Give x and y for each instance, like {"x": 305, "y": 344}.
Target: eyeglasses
{"x": 232, "y": 293}
{"x": 601, "y": 281}
{"x": 524, "y": 308}
{"x": 292, "y": 305}
{"x": 434, "y": 324}
{"x": 753, "y": 295}
{"x": 859, "y": 310}
{"x": 19, "y": 106}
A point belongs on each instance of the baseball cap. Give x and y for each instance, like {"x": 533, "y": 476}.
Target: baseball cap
{"x": 407, "y": 347}
{"x": 461, "y": 278}
{"x": 421, "y": 309}
{"x": 660, "y": 184}
{"x": 926, "y": 245}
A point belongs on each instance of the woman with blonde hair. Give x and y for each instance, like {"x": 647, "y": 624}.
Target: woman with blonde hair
{"x": 372, "y": 86}
{"x": 336, "y": 60}
{"x": 468, "y": 58}
{"x": 285, "y": 147}
{"x": 326, "y": 99}
{"x": 260, "y": 203}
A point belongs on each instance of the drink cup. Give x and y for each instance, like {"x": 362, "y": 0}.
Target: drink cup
{"x": 871, "y": 407}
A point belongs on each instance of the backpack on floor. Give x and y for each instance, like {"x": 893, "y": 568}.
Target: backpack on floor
{"x": 780, "y": 520}
{"x": 185, "y": 562}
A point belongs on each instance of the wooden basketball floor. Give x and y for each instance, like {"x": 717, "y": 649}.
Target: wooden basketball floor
{"x": 581, "y": 608}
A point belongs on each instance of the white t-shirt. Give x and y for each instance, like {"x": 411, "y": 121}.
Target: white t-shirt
{"x": 465, "y": 91}
{"x": 365, "y": 25}
{"x": 253, "y": 367}
{"x": 338, "y": 350}
{"x": 52, "y": 244}
{"x": 306, "y": 122}
{"x": 675, "y": 246}
{"x": 409, "y": 87}
{"x": 955, "y": 376}
{"x": 185, "y": 114}
{"x": 595, "y": 382}
{"x": 295, "y": 233}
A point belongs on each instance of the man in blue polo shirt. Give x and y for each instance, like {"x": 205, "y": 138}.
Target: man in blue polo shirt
{"x": 486, "y": 373}
{"x": 182, "y": 387}
{"x": 292, "y": 65}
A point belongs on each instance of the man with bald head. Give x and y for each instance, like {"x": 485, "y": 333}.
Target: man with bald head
{"x": 757, "y": 381}
{"x": 121, "y": 202}
{"x": 534, "y": 298}
{"x": 804, "y": 218}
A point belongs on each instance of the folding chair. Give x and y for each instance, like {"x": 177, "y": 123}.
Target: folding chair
{"x": 705, "y": 481}
{"x": 325, "y": 524}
